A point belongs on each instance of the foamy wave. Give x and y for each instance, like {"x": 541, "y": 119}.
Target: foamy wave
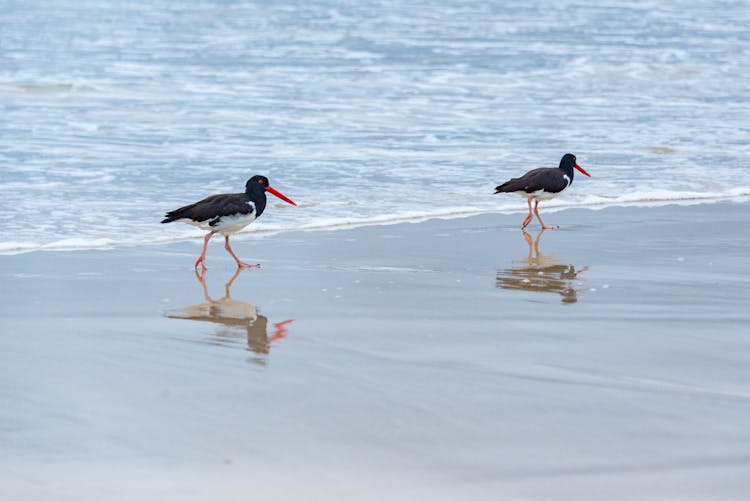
{"x": 594, "y": 202}
{"x": 408, "y": 120}
{"x": 660, "y": 197}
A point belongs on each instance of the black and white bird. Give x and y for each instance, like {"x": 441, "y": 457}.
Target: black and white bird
{"x": 543, "y": 184}
{"x": 226, "y": 214}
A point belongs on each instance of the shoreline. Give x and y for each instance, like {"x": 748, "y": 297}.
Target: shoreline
{"x": 447, "y": 358}
{"x": 385, "y": 221}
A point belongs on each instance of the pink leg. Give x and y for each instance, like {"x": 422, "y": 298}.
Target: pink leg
{"x": 202, "y": 260}
{"x": 527, "y": 237}
{"x": 528, "y": 218}
{"x": 240, "y": 264}
{"x": 228, "y": 285}
{"x": 536, "y": 211}
{"x": 202, "y": 280}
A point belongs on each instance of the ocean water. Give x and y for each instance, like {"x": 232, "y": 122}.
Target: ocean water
{"x": 115, "y": 112}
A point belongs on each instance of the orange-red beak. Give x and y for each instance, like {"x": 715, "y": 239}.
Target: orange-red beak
{"x": 284, "y": 197}
{"x": 582, "y": 171}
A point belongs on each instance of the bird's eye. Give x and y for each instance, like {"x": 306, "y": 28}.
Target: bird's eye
{"x": 260, "y": 181}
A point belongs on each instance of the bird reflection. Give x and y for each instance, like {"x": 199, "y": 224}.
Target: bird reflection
{"x": 541, "y": 273}
{"x": 236, "y": 319}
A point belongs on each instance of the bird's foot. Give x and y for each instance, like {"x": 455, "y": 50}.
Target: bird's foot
{"x": 201, "y": 261}
{"x": 242, "y": 265}
{"x": 547, "y": 227}
{"x": 200, "y": 275}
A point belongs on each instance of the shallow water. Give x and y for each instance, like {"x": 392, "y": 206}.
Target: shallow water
{"x": 388, "y": 362}
{"x": 114, "y": 113}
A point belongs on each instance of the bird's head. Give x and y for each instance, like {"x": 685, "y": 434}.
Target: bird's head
{"x": 568, "y": 162}
{"x": 259, "y": 184}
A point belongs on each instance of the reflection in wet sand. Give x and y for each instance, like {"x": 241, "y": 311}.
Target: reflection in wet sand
{"x": 541, "y": 273}
{"x": 236, "y": 318}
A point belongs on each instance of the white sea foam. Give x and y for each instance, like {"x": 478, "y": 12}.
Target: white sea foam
{"x": 362, "y": 114}
{"x": 333, "y": 223}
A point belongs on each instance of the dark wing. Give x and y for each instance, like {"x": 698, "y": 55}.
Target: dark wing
{"x": 549, "y": 179}
{"x": 212, "y": 207}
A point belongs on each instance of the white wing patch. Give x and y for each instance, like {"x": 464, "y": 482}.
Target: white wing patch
{"x": 227, "y": 224}
{"x": 539, "y": 195}
{"x": 232, "y": 224}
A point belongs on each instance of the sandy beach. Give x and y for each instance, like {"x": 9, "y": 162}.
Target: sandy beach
{"x": 445, "y": 359}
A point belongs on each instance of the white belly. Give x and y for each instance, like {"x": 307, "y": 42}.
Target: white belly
{"x": 226, "y": 225}
{"x": 538, "y": 195}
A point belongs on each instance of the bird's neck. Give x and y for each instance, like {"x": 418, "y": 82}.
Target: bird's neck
{"x": 568, "y": 170}
{"x": 259, "y": 199}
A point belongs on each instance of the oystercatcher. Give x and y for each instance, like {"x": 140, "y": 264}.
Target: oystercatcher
{"x": 226, "y": 214}
{"x": 233, "y": 315}
{"x": 542, "y": 184}
{"x": 540, "y": 272}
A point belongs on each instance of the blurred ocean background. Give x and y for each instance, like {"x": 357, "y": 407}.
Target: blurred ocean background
{"x": 115, "y": 112}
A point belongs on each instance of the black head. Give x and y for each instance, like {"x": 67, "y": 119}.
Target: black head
{"x": 256, "y": 184}
{"x": 568, "y": 162}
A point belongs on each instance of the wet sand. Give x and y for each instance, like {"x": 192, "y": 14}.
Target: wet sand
{"x": 444, "y": 359}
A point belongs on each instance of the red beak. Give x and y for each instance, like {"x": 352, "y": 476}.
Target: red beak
{"x": 582, "y": 171}
{"x": 284, "y": 197}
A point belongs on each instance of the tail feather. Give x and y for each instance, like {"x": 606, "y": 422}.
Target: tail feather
{"x": 177, "y": 214}
{"x": 508, "y": 187}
